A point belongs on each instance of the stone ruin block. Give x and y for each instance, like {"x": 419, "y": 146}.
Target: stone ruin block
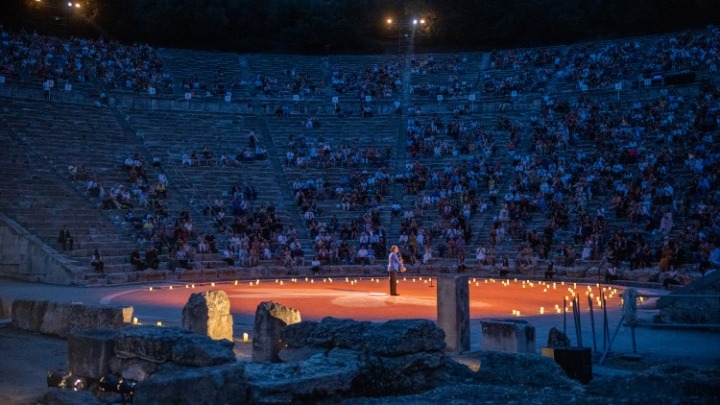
{"x": 508, "y": 335}
{"x": 28, "y": 314}
{"x": 318, "y": 377}
{"x": 160, "y": 344}
{"x": 453, "y": 311}
{"x": 89, "y": 353}
{"x": 270, "y": 320}
{"x": 211, "y": 385}
{"x": 403, "y": 336}
{"x": 208, "y": 313}
{"x": 62, "y": 319}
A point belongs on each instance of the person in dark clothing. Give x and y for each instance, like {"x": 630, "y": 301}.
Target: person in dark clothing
{"x": 550, "y": 272}
{"x": 96, "y": 262}
{"x": 65, "y": 239}
{"x": 151, "y": 258}
{"x": 136, "y": 261}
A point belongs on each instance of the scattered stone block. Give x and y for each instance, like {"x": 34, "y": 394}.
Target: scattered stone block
{"x": 508, "y": 335}
{"x": 290, "y": 354}
{"x": 200, "y": 351}
{"x": 159, "y": 345}
{"x": 298, "y": 334}
{"x": 62, "y": 319}
{"x": 212, "y": 385}
{"x": 399, "y": 374}
{"x": 28, "y": 314}
{"x": 403, "y": 336}
{"x": 89, "y": 353}
{"x": 309, "y": 381}
{"x": 339, "y": 333}
{"x": 138, "y": 370}
{"x": 208, "y": 313}
{"x": 557, "y": 339}
{"x": 522, "y": 370}
{"x": 270, "y": 320}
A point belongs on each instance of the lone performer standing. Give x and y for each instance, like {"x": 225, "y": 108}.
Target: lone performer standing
{"x": 395, "y": 265}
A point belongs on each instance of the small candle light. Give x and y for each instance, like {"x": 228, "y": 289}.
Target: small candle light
{"x": 135, "y": 321}
{"x": 159, "y": 323}
{"x": 150, "y": 289}
{"x": 170, "y": 288}
{"x": 542, "y": 310}
{"x": 192, "y": 285}
{"x": 246, "y": 337}
{"x": 212, "y": 284}
{"x": 236, "y": 282}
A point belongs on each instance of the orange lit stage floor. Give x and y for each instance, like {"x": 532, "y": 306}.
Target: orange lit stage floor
{"x": 368, "y": 298}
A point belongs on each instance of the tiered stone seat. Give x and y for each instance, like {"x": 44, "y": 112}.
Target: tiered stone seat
{"x": 209, "y": 68}
{"x": 40, "y": 199}
{"x": 289, "y": 74}
{"x": 379, "y": 133}
{"x": 172, "y": 134}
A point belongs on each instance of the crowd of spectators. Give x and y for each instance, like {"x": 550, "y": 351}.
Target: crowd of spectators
{"x": 378, "y": 81}
{"x": 111, "y": 64}
{"x": 587, "y": 179}
{"x": 290, "y": 82}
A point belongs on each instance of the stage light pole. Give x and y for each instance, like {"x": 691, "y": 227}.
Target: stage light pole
{"x": 411, "y": 26}
{"x": 58, "y": 11}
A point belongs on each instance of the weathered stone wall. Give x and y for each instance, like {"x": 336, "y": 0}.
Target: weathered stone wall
{"x": 25, "y": 257}
{"x": 62, "y": 319}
